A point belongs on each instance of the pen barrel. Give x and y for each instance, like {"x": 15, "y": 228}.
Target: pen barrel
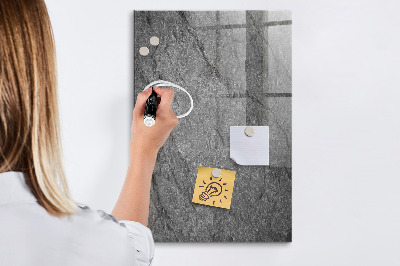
{"x": 150, "y": 110}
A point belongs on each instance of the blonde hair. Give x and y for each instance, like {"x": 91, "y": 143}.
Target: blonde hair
{"x": 29, "y": 123}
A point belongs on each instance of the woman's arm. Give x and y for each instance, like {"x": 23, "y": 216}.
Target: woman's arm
{"x": 134, "y": 199}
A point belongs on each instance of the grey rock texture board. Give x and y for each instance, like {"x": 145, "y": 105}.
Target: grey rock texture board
{"x": 237, "y": 67}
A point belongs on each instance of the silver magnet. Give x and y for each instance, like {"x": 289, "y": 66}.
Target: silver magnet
{"x": 249, "y": 131}
{"x": 144, "y": 51}
{"x": 216, "y": 172}
{"x": 154, "y": 41}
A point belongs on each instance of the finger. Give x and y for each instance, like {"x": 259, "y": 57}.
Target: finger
{"x": 141, "y": 102}
{"x": 175, "y": 120}
{"x": 167, "y": 96}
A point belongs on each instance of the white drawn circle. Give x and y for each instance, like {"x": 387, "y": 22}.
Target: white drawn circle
{"x": 163, "y": 83}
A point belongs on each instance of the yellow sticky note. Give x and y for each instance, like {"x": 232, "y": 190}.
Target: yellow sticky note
{"x": 216, "y": 192}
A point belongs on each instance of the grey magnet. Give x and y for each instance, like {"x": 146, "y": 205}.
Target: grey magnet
{"x": 144, "y": 51}
{"x": 216, "y": 172}
{"x": 249, "y": 131}
{"x": 154, "y": 40}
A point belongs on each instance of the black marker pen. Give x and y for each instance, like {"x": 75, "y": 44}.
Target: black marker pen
{"x": 150, "y": 109}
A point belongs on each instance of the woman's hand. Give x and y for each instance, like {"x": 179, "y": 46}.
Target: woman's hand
{"x": 150, "y": 139}
{"x": 134, "y": 199}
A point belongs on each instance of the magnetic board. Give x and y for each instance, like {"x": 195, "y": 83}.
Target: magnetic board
{"x": 237, "y": 67}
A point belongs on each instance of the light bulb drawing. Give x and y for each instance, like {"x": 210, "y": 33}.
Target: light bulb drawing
{"x": 213, "y": 189}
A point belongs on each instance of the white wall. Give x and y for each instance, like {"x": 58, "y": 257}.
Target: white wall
{"x": 346, "y": 147}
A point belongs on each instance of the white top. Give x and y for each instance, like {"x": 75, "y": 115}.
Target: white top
{"x": 31, "y": 236}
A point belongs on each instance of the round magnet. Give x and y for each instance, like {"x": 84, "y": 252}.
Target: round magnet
{"x": 216, "y": 172}
{"x": 154, "y": 40}
{"x": 249, "y": 131}
{"x": 144, "y": 51}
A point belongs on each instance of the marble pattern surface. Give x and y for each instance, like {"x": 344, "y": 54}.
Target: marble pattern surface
{"x": 237, "y": 67}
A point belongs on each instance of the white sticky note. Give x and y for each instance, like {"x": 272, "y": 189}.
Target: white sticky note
{"x": 252, "y": 150}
